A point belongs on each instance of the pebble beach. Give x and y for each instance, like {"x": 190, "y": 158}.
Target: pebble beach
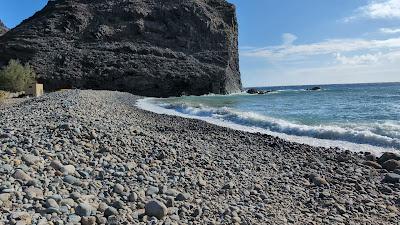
{"x": 93, "y": 157}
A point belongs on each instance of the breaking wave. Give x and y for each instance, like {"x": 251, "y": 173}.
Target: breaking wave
{"x": 385, "y": 135}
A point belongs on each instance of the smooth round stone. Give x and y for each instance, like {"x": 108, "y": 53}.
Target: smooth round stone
{"x": 51, "y": 210}
{"x": 34, "y": 193}
{"x": 155, "y": 208}
{"x": 392, "y": 178}
{"x": 133, "y": 197}
{"x": 51, "y": 203}
{"x": 88, "y": 220}
{"x": 64, "y": 209}
{"x": 373, "y": 164}
{"x": 30, "y": 159}
{"x": 68, "y": 169}
{"x": 21, "y": 217}
{"x": 119, "y": 189}
{"x": 7, "y": 190}
{"x": 171, "y": 192}
{"x": 318, "y": 181}
{"x": 118, "y": 204}
{"x": 84, "y": 174}
{"x": 74, "y": 219}
{"x": 71, "y": 179}
{"x": 68, "y": 202}
{"x": 75, "y": 195}
{"x": 391, "y": 164}
{"x": 152, "y": 191}
{"x": 182, "y": 197}
{"x": 77, "y": 130}
{"x": 101, "y": 220}
{"x": 201, "y": 182}
{"x": 110, "y": 211}
{"x": 21, "y": 175}
{"x": 228, "y": 186}
{"x": 83, "y": 209}
{"x": 56, "y": 164}
{"x": 5, "y": 197}
{"x": 388, "y": 156}
{"x": 6, "y": 168}
{"x": 56, "y": 197}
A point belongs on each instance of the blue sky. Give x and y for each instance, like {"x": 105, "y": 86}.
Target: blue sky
{"x": 289, "y": 42}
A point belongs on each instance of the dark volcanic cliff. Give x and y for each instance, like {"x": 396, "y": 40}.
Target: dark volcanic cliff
{"x": 3, "y": 28}
{"x": 146, "y": 47}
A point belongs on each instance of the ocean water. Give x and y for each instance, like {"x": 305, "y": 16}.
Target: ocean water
{"x": 359, "y": 117}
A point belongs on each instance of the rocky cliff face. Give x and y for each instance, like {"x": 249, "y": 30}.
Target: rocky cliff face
{"x": 3, "y": 28}
{"x": 146, "y": 47}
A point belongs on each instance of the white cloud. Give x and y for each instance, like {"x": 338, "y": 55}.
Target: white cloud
{"x": 288, "y": 38}
{"x": 390, "y": 30}
{"x": 383, "y": 9}
{"x": 392, "y": 57}
{"x": 328, "y": 47}
{"x": 328, "y": 61}
{"x": 377, "y": 9}
{"x": 358, "y": 59}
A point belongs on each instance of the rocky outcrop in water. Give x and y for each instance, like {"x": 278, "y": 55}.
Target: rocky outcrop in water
{"x": 254, "y": 91}
{"x": 314, "y": 89}
{"x": 146, "y": 47}
{"x": 3, "y": 28}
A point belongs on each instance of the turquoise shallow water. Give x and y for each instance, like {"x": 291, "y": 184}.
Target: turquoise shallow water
{"x": 357, "y": 113}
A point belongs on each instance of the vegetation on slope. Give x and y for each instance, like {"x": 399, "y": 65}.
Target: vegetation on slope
{"x": 16, "y": 77}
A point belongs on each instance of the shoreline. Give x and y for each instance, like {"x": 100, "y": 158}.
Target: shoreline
{"x": 145, "y": 104}
{"x": 82, "y": 156}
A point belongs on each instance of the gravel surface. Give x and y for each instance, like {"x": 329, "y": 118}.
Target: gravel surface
{"x": 92, "y": 157}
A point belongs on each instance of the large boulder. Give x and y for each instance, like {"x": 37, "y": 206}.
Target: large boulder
{"x": 391, "y": 164}
{"x": 146, "y": 47}
{"x": 3, "y": 28}
{"x": 388, "y": 156}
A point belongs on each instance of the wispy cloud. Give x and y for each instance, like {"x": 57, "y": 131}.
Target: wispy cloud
{"x": 288, "y": 39}
{"x": 377, "y": 9}
{"x": 390, "y": 30}
{"x": 328, "y": 47}
{"x": 358, "y": 59}
{"x": 329, "y": 61}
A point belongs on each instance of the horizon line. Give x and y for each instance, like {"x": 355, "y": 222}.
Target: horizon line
{"x": 297, "y": 85}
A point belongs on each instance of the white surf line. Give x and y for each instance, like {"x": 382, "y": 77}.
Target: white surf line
{"x": 146, "y": 104}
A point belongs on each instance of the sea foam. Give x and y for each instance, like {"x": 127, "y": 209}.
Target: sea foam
{"x": 353, "y": 137}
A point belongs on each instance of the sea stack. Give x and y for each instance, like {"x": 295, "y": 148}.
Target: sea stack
{"x": 145, "y": 47}
{"x": 3, "y": 28}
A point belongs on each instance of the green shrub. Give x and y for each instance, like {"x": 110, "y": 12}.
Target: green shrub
{"x": 16, "y": 77}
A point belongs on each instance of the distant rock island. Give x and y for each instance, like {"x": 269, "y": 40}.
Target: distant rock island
{"x": 3, "y": 28}
{"x": 253, "y": 91}
{"x": 314, "y": 89}
{"x": 145, "y": 47}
